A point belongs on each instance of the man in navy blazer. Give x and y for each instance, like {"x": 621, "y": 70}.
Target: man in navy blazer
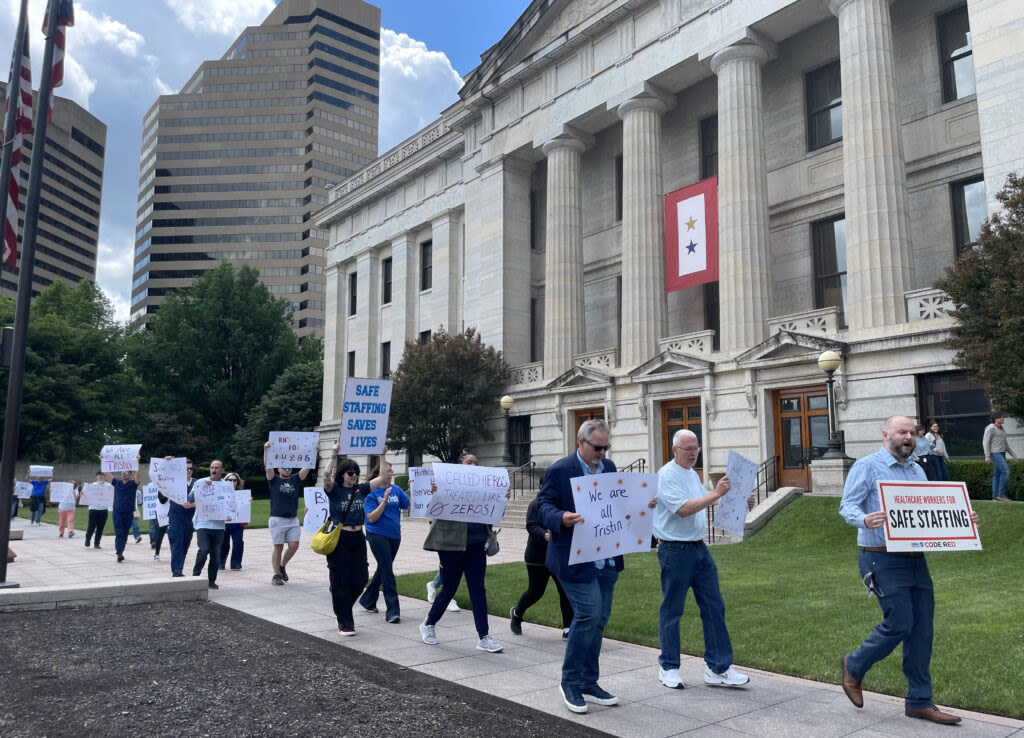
{"x": 588, "y": 586}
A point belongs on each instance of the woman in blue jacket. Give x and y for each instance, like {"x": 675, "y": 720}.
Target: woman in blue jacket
{"x": 384, "y": 507}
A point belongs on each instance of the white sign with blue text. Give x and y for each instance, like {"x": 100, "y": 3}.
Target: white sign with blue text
{"x": 364, "y": 418}
{"x": 617, "y": 518}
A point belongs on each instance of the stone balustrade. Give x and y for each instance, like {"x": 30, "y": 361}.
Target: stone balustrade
{"x": 699, "y": 343}
{"x": 821, "y": 322}
{"x": 927, "y": 304}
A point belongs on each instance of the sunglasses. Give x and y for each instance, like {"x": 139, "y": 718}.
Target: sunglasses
{"x": 351, "y": 472}
{"x": 599, "y": 449}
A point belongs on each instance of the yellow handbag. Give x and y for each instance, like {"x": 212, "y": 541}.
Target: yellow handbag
{"x": 325, "y": 540}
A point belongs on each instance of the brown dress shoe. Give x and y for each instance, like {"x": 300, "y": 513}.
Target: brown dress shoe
{"x": 851, "y": 686}
{"x": 932, "y": 714}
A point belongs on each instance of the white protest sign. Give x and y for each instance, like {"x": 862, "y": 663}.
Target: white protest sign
{"x": 616, "y": 516}
{"x": 928, "y": 516}
{"x": 170, "y": 477}
{"x": 97, "y": 495}
{"x": 23, "y": 490}
{"x": 292, "y": 450}
{"x": 62, "y": 492}
{"x": 317, "y": 509}
{"x": 241, "y": 510}
{"x": 163, "y": 513}
{"x": 150, "y": 502}
{"x": 470, "y": 494}
{"x": 731, "y": 509}
{"x": 364, "y": 420}
{"x": 420, "y": 479}
{"x": 212, "y": 499}
{"x": 36, "y": 470}
{"x": 120, "y": 458}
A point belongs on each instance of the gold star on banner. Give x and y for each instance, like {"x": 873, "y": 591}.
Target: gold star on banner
{"x": 690, "y": 223}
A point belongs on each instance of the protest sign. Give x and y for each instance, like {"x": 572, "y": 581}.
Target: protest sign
{"x": 212, "y": 499}
{"x": 731, "y": 509}
{"x": 616, "y": 516}
{"x": 317, "y": 509}
{"x": 23, "y": 490}
{"x": 170, "y": 477}
{"x": 38, "y": 471}
{"x": 120, "y": 458}
{"x": 163, "y": 513}
{"x": 97, "y": 495}
{"x": 241, "y": 506}
{"x": 364, "y": 420}
{"x": 61, "y": 492}
{"x": 420, "y": 479}
{"x": 470, "y": 494}
{"x": 150, "y": 501}
{"x": 292, "y": 450}
{"x": 928, "y": 516}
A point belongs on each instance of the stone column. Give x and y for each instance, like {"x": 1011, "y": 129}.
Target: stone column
{"x": 643, "y": 235}
{"x": 879, "y": 264}
{"x": 334, "y": 344}
{"x": 404, "y": 285}
{"x": 446, "y": 288}
{"x": 743, "y": 263}
{"x": 563, "y": 257}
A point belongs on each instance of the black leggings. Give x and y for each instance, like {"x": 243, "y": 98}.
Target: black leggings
{"x": 348, "y": 571}
{"x": 538, "y": 583}
{"x": 97, "y": 521}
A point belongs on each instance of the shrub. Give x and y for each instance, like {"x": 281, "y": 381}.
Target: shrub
{"x": 978, "y": 475}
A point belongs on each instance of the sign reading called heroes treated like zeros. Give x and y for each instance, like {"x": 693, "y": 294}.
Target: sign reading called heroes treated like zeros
{"x": 928, "y": 516}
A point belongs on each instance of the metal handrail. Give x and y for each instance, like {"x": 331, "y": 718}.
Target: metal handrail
{"x": 639, "y": 466}
{"x": 767, "y": 482}
{"x": 521, "y": 478}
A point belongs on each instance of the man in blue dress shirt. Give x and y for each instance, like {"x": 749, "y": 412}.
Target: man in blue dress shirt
{"x": 900, "y": 581}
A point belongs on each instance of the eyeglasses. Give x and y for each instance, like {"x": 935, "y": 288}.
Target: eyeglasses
{"x": 599, "y": 449}
{"x": 352, "y": 472}
{"x": 688, "y": 449}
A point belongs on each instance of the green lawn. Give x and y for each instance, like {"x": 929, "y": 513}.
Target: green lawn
{"x": 260, "y": 513}
{"x": 795, "y": 604}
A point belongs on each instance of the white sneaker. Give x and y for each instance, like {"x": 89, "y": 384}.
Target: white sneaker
{"x": 453, "y": 606}
{"x": 156, "y": 557}
{"x": 728, "y": 678}
{"x": 431, "y": 592}
{"x": 670, "y": 678}
{"x": 429, "y": 637}
{"x": 488, "y": 644}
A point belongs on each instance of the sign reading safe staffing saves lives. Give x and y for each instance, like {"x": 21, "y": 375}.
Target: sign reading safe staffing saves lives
{"x": 928, "y": 516}
{"x": 364, "y": 416}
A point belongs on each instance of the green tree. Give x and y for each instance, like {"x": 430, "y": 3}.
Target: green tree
{"x": 293, "y": 402}
{"x": 445, "y": 392}
{"x": 211, "y": 352}
{"x": 986, "y": 286}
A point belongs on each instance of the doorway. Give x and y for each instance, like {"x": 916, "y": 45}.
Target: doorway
{"x": 676, "y": 415}
{"x": 801, "y": 432}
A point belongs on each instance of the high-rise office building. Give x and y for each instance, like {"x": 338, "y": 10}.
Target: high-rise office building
{"x": 69, "y": 203}
{"x": 233, "y": 166}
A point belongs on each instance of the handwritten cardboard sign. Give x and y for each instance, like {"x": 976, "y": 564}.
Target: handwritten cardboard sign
{"x": 241, "y": 506}
{"x": 471, "y": 494}
{"x": 420, "y": 479}
{"x": 170, "y": 476}
{"x": 731, "y": 510}
{"x": 40, "y": 472}
{"x": 62, "y": 492}
{"x": 292, "y": 450}
{"x": 97, "y": 495}
{"x": 212, "y": 499}
{"x": 928, "y": 516}
{"x": 616, "y": 516}
{"x": 120, "y": 458}
{"x": 364, "y": 420}
{"x": 317, "y": 509}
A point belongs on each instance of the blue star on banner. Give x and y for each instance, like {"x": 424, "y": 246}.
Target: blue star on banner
{"x": 691, "y": 247}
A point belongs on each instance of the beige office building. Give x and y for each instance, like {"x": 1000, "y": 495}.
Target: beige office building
{"x": 67, "y": 236}
{"x": 233, "y": 166}
{"x": 857, "y": 144}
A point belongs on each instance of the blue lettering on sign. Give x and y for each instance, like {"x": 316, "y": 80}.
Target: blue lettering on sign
{"x": 357, "y": 424}
{"x": 363, "y": 390}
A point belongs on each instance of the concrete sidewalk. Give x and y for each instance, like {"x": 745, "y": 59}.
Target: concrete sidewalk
{"x": 526, "y": 672}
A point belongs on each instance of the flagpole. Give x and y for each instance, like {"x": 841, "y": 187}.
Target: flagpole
{"x": 16, "y": 381}
{"x": 13, "y": 91}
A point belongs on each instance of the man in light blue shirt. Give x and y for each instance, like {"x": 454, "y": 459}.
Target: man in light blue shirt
{"x": 900, "y": 580}
{"x": 680, "y": 525}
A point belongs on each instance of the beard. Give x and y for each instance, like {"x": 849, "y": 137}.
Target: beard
{"x": 902, "y": 449}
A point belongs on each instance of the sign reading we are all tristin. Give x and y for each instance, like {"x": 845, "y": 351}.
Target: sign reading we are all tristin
{"x": 928, "y": 516}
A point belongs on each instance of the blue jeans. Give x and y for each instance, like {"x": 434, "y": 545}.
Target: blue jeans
{"x": 941, "y": 468}
{"x": 123, "y": 520}
{"x": 135, "y": 526}
{"x": 904, "y": 590}
{"x": 384, "y": 550}
{"x": 473, "y": 563}
{"x": 209, "y": 540}
{"x": 232, "y": 542}
{"x": 39, "y": 507}
{"x": 686, "y": 566}
{"x": 1000, "y": 474}
{"x": 156, "y": 535}
{"x": 179, "y": 532}
{"x": 592, "y": 605}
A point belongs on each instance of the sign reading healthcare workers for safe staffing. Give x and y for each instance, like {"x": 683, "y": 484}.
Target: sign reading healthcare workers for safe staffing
{"x": 364, "y": 416}
{"x": 928, "y": 516}
{"x": 616, "y": 516}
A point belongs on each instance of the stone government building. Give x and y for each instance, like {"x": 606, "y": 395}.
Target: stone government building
{"x": 858, "y": 145}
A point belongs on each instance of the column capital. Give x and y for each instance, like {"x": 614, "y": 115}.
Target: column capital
{"x": 744, "y": 50}
{"x": 566, "y": 137}
{"x": 641, "y": 97}
{"x": 836, "y": 6}
{"x": 331, "y": 269}
{"x": 642, "y": 102}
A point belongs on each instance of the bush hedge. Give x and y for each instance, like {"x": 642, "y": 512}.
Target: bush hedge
{"x": 978, "y": 475}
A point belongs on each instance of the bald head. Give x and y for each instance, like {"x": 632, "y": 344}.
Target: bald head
{"x": 898, "y": 436}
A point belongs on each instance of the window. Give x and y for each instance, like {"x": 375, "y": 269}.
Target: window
{"x": 956, "y": 54}
{"x": 960, "y": 407}
{"x": 351, "y": 364}
{"x": 709, "y": 147}
{"x": 969, "y": 211}
{"x": 824, "y": 106}
{"x": 828, "y": 239}
{"x": 352, "y": 283}
{"x": 618, "y": 187}
{"x": 426, "y": 265}
{"x": 424, "y": 337}
{"x": 385, "y": 278}
{"x": 385, "y": 359}
{"x": 519, "y": 439}
{"x": 711, "y": 315}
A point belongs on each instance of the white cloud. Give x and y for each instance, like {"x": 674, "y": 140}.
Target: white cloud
{"x": 220, "y": 17}
{"x": 114, "y": 276}
{"x": 416, "y": 84}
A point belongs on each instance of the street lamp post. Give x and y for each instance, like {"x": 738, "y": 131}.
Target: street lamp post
{"x": 506, "y": 403}
{"x": 828, "y": 362}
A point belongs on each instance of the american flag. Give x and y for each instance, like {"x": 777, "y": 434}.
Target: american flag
{"x": 22, "y": 124}
{"x": 65, "y": 17}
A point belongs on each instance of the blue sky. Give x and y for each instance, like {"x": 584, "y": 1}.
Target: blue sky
{"x": 123, "y": 54}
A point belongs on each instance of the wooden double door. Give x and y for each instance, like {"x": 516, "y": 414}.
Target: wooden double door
{"x": 801, "y": 432}
{"x": 677, "y": 415}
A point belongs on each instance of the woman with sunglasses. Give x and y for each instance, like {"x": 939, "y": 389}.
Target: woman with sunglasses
{"x": 461, "y": 548}
{"x": 384, "y": 507}
{"x": 233, "y": 533}
{"x": 347, "y": 562}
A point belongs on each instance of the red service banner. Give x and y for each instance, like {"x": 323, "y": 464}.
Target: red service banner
{"x": 691, "y": 235}
{"x": 928, "y": 516}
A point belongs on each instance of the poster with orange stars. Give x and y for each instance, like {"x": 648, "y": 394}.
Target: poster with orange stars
{"x": 616, "y": 516}
{"x": 691, "y": 235}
